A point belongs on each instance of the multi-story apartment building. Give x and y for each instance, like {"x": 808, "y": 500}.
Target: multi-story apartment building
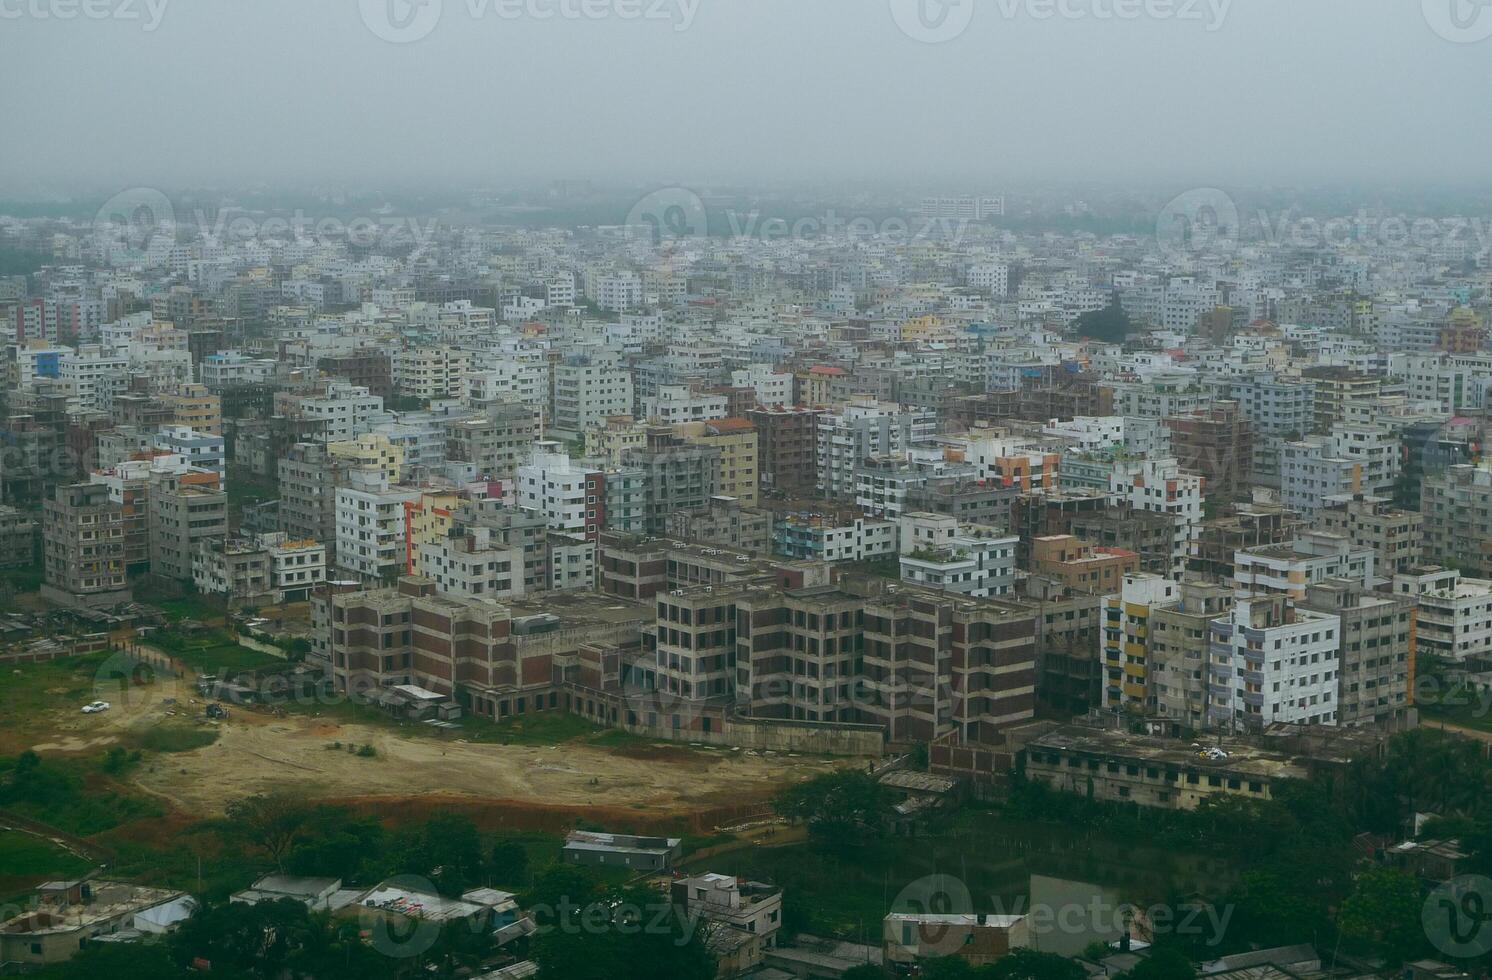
{"x": 1148, "y": 534}
{"x": 1376, "y": 652}
{"x": 1081, "y": 567}
{"x": 369, "y": 640}
{"x": 680, "y": 404}
{"x": 1126, "y": 638}
{"x": 1179, "y": 651}
{"x": 194, "y": 407}
{"x": 1160, "y": 485}
{"x": 1310, "y": 471}
{"x": 1395, "y": 536}
{"x": 862, "y": 429}
{"x": 938, "y": 552}
{"x": 725, "y": 523}
{"x": 1337, "y": 390}
{"x": 569, "y": 495}
{"x": 588, "y": 389}
{"x": 676, "y": 476}
{"x": 18, "y": 538}
{"x": 188, "y": 510}
{"x": 1249, "y": 526}
{"x": 83, "y": 547}
{"x": 231, "y": 368}
{"x": 370, "y": 516}
{"x": 1457, "y": 507}
{"x": 1279, "y": 409}
{"x": 1273, "y": 661}
{"x": 430, "y": 373}
{"x": 1313, "y": 557}
{"x": 235, "y": 569}
{"x": 1454, "y": 614}
{"x": 296, "y": 566}
{"x": 483, "y": 561}
{"x": 365, "y": 367}
{"x": 821, "y": 539}
{"x": 371, "y": 451}
{"x": 492, "y": 446}
{"x": 787, "y": 446}
{"x": 309, "y": 477}
{"x": 618, "y": 433}
{"x": 1375, "y": 448}
{"x": 773, "y": 390}
{"x": 738, "y": 475}
{"x": 341, "y": 410}
{"x": 96, "y": 376}
{"x": 200, "y": 449}
{"x": 1218, "y": 444}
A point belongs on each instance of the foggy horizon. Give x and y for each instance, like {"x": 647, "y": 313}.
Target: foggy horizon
{"x": 1214, "y": 93}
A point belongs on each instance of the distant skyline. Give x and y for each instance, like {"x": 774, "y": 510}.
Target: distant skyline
{"x": 1149, "y": 92}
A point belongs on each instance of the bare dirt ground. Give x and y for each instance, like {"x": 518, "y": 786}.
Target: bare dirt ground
{"x": 259, "y": 754}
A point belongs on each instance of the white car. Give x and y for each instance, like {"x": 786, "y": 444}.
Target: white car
{"x": 94, "y": 707}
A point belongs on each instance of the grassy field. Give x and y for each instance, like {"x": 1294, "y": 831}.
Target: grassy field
{"x": 1458, "y": 706}
{"x": 31, "y": 693}
{"x": 26, "y": 854}
{"x": 26, "y": 859}
{"x": 212, "y": 651}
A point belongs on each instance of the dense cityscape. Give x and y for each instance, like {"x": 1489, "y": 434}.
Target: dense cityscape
{"x": 943, "y": 570}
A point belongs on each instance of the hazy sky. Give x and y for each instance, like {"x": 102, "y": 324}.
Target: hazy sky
{"x": 233, "y": 90}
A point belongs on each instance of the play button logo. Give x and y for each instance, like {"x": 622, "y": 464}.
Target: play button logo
{"x": 400, "y": 21}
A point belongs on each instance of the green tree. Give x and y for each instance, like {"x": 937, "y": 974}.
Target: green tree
{"x": 1163, "y": 963}
{"x": 844, "y": 807}
{"x": 257, "y": 940}
{"x": 1032, "y": 964}
{"x": 508, "y": 864}
{"x": 1110, "y": 324}
{"x": 558, "y": 886}
{"x": 448, "y": 850}
{"x": 1382, "y": 916}
{"x": 273, "y": 823}
{"x": 336, "y": 843}
{"x": 866, "y": 971}
{"x": 624, "y": 934}
{"x": 117, "y": 961}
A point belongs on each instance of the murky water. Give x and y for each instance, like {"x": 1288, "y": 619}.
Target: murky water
{"x": 1076, "y": 886}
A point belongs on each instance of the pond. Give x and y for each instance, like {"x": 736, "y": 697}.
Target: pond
{"x": 981, "y": 862}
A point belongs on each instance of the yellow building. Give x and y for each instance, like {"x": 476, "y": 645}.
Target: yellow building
{"x": 739, "y": 460}
{"x": 197, "y": 408}
{"x": 1125, "y": 642}
{"x": 370, "y": 450}
{"x": 426, "y": 521}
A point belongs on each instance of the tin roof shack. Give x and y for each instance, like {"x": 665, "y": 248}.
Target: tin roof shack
{"x": 922, "y": 793}
{"x": 976, "y": 939}
{"x": 402, "y": 908}
{"x": 417, "y": 703}
{"x": 316, "y": 893}
{"x": 68, "y": 914}
{"x": 749, "y": 912}
{"x": 1434, "y": 860}
{"x": 622, "y": 850}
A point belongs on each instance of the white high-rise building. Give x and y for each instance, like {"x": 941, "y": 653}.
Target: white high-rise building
{"x": 1273, "y": 661}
